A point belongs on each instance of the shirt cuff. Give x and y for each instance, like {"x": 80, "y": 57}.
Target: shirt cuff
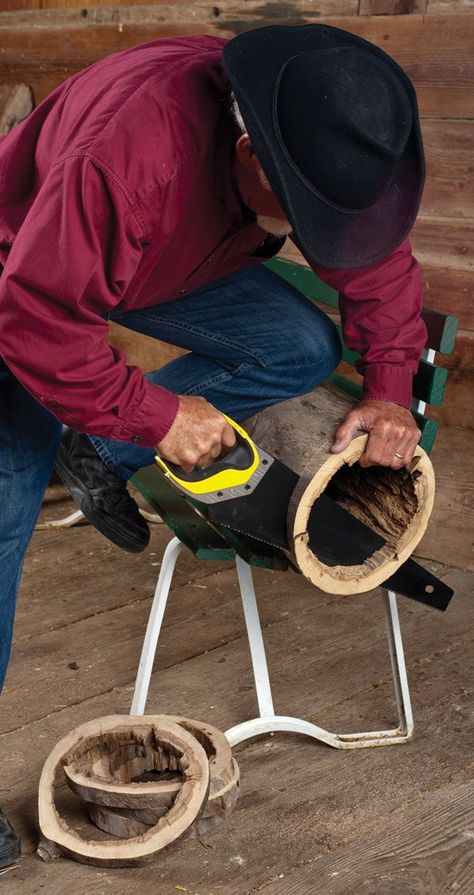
{"x": 388, "y": 382}
{"x": 154, "y": 417}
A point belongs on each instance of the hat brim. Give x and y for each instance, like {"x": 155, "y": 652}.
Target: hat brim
{"x": 327, "y": 236}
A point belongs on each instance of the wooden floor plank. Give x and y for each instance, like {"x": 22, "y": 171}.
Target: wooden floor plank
{"x": 99, "y": 652}
{"x": 64, "y": 560}
{"x": 427, "y": 847}
{"x": 296, "y": 817}
{"x": 328, "y": 659}
{"x": 440, "y": 691}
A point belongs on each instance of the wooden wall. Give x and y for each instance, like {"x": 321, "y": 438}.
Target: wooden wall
{"x": 325, "y": 7}
{"x": 43, "y": 46}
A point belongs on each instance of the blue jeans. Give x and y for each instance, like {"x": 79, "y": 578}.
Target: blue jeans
{"x": 254, "y": 341}
{"x": 29, "y": 439}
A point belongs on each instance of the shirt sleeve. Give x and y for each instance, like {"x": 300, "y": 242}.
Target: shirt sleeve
{"x": 380, "y": 310}
{"x": 71, "y": 263}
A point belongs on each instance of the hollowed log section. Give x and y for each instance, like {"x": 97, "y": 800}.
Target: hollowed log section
{"x": 90, "y": 747}
{"x": 127, "y": 789}
{"x": 128, "y": 822}
{"x": 395, "y": 504}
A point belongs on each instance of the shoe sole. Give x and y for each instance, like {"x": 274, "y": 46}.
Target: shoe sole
{"x": 81, "y": 499}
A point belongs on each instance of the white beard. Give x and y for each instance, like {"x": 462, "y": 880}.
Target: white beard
{"x": 274, "y": 225}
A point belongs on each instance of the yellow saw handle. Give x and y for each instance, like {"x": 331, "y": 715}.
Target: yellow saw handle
{"x": 228, "y": 476}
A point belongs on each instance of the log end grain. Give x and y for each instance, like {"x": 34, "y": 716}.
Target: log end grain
{"x": 396, "y": 504}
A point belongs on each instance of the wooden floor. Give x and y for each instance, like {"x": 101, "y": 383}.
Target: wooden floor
{"x": 395, "y": 821}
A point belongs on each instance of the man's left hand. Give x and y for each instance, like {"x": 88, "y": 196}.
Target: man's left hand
{"x": 393, "y": 433}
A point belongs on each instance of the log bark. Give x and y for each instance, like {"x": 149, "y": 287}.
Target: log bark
{"x": 396, "y": 504}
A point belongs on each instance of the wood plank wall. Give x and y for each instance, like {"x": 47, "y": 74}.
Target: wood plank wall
{"x": 325, "y": 7}
{"x": 44, "y": 46}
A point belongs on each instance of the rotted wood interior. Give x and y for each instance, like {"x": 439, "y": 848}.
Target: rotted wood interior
{"x": 156, "y": 735}
{"x": 127, "y": 779}
{"x": 384, "y": 499}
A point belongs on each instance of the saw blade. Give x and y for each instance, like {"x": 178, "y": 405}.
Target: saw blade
{"x": 412, "y": 580}
{"x": 263, "y": 515}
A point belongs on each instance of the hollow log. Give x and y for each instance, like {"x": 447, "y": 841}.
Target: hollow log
{"x": 154, "y": 733}
{"x": 396, "y": 504}
{"x": 98, "y": 774}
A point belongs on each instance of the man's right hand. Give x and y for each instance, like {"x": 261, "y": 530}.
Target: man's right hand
{"x": 197, "y": 436}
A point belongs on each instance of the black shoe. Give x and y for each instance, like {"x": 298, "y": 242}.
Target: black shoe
{"x": 100, "y": 494}
{"x": 10, "y": 848}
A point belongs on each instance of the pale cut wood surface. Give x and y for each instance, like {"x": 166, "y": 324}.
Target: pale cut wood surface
{"x": 145, "y": 352}
{"x": 223, "y": 794}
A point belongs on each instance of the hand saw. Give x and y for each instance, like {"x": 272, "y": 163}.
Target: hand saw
{"x": 249, "y": 491}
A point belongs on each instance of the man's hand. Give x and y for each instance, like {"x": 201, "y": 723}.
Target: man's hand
{"x": 197, "y": 436}
{"x": 393, "y": 433}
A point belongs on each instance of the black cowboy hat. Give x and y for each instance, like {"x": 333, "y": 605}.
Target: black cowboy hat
{"x": 334, "y": 123}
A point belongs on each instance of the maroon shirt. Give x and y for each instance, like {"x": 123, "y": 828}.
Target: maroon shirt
{"x": 116, "y": 193}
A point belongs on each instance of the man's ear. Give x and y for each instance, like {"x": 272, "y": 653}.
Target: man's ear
{"x": 244, "y": 152}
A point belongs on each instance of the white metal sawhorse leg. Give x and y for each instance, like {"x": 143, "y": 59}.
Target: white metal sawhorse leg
{"x": 267, "y": 721}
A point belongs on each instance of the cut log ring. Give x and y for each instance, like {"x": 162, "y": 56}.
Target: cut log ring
{"x": 96, "y": 769}
{"x": 116, "y": 822}
{"x": 105, "y": 800}
{"x": 125, "y": 823}
{"x": 102, "y": 789}
{"x": 395, "y": 503}
{"x": 58, "y": 837}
